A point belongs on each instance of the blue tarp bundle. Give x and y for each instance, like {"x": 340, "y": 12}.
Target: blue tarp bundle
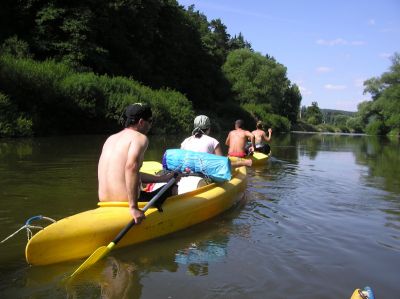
{"x": 218, "y": 168}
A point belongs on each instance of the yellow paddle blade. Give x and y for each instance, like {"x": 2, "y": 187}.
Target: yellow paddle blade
{"x": 94, "y": 258}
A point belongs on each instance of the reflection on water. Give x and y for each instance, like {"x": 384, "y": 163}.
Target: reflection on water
{"x": 110, "y": 279}
{"x": 324, "y": 209}
{"x": 198, "y": 256}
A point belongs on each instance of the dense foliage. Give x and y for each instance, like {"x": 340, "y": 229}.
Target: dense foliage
{"x": 88, "y": 58}
{"x": 382, "y": 114}
{"x": 50, "y": 97}
{"x": 261, "y": 86}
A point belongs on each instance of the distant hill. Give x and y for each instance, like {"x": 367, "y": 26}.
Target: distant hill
{"x": 331, "y": 116}
{"x": 337, "y": 112}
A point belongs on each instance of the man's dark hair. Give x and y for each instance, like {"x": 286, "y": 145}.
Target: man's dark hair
{"x": 239, "y": 123}
{"x": 135, "y": 112}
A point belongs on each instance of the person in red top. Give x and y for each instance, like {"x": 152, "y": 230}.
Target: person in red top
{"x": 237, "y": 141}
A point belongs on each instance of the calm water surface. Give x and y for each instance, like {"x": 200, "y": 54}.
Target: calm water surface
{"x": 320, "y": 219}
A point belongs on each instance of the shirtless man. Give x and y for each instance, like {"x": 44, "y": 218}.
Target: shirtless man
{"x": 237, "y": 140}
{"x": 122, "y": 157}
{"x": 261, "y": 138}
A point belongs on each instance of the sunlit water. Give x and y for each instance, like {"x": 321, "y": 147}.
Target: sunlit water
{"x": 320, "y": 219}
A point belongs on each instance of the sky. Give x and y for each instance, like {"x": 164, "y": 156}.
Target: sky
{"x": 329, "y": 47}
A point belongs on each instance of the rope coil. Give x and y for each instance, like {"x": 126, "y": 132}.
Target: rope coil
{"x": 29, "y": 227}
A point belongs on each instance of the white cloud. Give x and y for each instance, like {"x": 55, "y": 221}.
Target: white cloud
{"x": 371, "y": 22}
{"x": 339, "y": 41}
{"x": 357, "y": 43}
{"x": 333, "y": 42}
{"x": 323, "y": 69}
{"x": 389, "y": 30}
{"x": 334, "y": 87}
{"x": 385, "y": 55}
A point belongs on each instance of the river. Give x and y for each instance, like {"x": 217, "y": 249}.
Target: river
{"x": 320, "y": 219}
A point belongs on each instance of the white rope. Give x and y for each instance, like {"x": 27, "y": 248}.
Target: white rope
{"x": 29, "y": 227}
{"x": 13, "y": 234}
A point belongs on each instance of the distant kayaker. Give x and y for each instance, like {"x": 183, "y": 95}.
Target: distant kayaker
{"x": 122, "y": 157}
{"x": 261, "y": 138}
{"x": 237, "y": 140}
{"x": 201, "y": 142}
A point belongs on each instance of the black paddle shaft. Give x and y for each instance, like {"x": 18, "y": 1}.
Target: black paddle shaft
{"x": 148, "y": 205}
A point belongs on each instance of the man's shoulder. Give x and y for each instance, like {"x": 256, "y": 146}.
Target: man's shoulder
{"x": 131, "y": 136}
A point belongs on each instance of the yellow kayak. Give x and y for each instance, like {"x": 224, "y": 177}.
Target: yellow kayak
{"x": 260, "y": 158}
{"x": 80, "y": 235}
{"x": 366, "y": 293}
{"x": 257, "y": 158}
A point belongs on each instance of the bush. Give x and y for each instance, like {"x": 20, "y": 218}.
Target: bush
{"x": 15, "y": 47}
{"x": 355, "y": 125}
{"x": 260, "y": 112}
{"x": 13, "y": 123}
{"x": 326, "y": 128}
{"x": 303, "y": 126}
{"x": 394, "y": 132}
{"x": 56, "y": 99}
{"x": 376, "y": 127}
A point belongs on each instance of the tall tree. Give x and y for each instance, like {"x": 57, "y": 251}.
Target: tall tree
{"x": 257, "y": 79}
{"x": 290, "y": 105}
{"x": 238, "y": 42}
{"x": 314, "y": 114}
{"x": 385, "y": 92}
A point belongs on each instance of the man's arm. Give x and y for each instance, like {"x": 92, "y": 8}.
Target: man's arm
{"x": 228, "y": 139}
{"x": 252, "y": 139}
{"x": 218, "y": 150}
{"x": 151, "y": 178}
{"x": 132, "y": 176}
{"x": 269, "y": 135}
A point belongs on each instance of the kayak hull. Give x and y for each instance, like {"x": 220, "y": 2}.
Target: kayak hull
{"x": 80, "y": 235}
{"x": 258, "y": 158}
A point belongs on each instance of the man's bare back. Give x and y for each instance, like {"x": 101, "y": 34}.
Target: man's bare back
{"x": 237, "y": 140}
{"x": 121, "y": 151}
{"x": 121, "y": 159}
{"x": 260, "y": 136}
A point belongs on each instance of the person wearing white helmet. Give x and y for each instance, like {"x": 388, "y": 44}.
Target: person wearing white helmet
{"x": 200, "y": 141}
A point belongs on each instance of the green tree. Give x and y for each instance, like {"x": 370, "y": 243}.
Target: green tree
{"x": 355, "y": 125}
{"x": 256, "y": 79}
{"x": 314, "y": 114}
{"x": 238, "y": 42}
{"x": 383, "y": 112}
{"x": 290, "y": 105}
{"x": 303, "y": 112}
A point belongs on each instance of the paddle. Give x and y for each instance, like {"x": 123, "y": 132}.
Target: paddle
{"x": 102, "y": 251}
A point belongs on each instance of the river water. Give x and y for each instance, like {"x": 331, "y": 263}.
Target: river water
{"x": 320, "y": 219}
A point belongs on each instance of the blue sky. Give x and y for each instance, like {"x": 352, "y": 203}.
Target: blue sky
{"x": 329, "y": 47}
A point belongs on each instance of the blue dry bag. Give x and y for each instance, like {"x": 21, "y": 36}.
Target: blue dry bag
{"x": 218, "y": 168}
